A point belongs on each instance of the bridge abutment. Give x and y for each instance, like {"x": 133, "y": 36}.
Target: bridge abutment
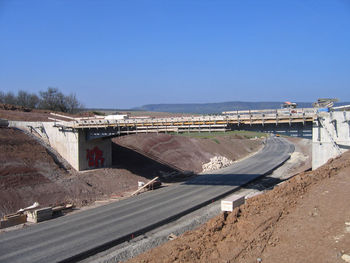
{"x": 72, "y": 144}
{"x": 85, "y": 142}
{"x": 330, "y": 136}
{"x": 81, "y": 153}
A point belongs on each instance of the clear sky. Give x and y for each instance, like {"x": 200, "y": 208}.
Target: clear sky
{"x": 122, "y": 54}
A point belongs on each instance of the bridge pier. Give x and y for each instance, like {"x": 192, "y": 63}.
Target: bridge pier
{"x": 75, "y": 147}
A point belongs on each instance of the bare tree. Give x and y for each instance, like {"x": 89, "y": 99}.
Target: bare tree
{"x": 53, "y": 99}
{"x": 10, "y": 98}
{"x": 2, "y": 97}
{"x": 26, "y": 99}
{"x": 72, "y": 103}
{"x": 33, "y": 101}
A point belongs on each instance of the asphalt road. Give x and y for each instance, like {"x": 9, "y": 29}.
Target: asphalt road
{"x": 74, "y": 237}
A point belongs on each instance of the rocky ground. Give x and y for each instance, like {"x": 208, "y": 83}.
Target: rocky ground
{"x": 304, "y": 219}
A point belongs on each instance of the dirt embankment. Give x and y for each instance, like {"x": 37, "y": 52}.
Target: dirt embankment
{"x": 186, "y": 153}
{"x": 305, "y": 219}
{"x": 28, "y": 173}
{"x": 19, "y": 113}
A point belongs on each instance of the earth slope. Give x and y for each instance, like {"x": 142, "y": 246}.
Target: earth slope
{"x": 28, "y": 173}
{"x": 305, "y": 219}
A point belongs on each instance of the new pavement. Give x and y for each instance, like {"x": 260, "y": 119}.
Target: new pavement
{"x": 77, "y": 236}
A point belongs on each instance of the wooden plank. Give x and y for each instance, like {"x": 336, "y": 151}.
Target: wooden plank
{"x": 13, "y": 220}
{"x": 62, "y": 116}
{"x": 143, "y": 187}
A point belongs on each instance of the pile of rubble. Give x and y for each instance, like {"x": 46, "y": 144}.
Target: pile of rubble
{"x": 216, "y": 162}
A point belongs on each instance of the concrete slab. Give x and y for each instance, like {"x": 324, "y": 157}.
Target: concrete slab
{"x": 231, "y": 202}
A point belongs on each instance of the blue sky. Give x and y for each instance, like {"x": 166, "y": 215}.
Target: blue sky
{"x": 122, "y": 54}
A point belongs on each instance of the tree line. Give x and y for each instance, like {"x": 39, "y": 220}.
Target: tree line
{"x": 51, "y": 99}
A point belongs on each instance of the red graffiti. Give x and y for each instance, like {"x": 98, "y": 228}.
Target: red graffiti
{"x": 95, "y": 157}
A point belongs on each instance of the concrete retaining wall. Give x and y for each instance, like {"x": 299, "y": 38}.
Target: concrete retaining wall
{"x": 64, "y": 142}
{"x": 35, "y": 128}
{"x": 71, "y": 144}
{"x": 333, "y": 126}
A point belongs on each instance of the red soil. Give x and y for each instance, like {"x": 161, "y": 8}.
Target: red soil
{"x": 305, "y": 219}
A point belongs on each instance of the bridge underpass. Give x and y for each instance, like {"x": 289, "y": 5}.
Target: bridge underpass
{"x": 285, "y": 129}
{"x": 85, "y": 142}
{"x": 75, "y": 237}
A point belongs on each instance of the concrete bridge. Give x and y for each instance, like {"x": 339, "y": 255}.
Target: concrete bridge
{"x": 85, "y": 142}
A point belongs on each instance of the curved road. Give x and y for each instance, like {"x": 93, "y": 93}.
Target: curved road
{"x": 77, "y": 236}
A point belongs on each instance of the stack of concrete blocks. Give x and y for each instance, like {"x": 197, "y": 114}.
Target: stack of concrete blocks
{"x": 39, "y": 215}
{"x": 231, "y": 202}
{"x": 330, "y": 127}
{"x": 12, "y": 220}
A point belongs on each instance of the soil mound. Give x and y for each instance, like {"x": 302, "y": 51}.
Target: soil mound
{"x": 186, "y": 153}
{"x": 19, "y": 113}
{"x": 305, "y": 219}
{"x": 28, "y": 174}
{"x": 14, "y": 107}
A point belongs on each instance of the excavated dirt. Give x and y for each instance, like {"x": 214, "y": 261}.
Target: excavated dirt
{"x": 28, "y": 173}
{"x": 19, "y": 113}
{"x": 186, "y": 153}
{"x": 305, "y": 219}
{"x": 16, "y": 113}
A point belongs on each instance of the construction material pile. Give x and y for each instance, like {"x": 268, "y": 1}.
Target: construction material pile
{"x": 34, "y": 214}
{"x": 216, "y": 162}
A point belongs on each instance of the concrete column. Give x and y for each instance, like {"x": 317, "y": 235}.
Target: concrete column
{"x": 65, "y": 142}
{"x": 82, "y": 154}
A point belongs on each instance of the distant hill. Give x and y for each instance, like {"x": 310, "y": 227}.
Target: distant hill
{"x": 215, "y": 108}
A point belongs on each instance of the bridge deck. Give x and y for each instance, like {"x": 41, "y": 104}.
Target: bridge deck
{"x": 213, "y": 121}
